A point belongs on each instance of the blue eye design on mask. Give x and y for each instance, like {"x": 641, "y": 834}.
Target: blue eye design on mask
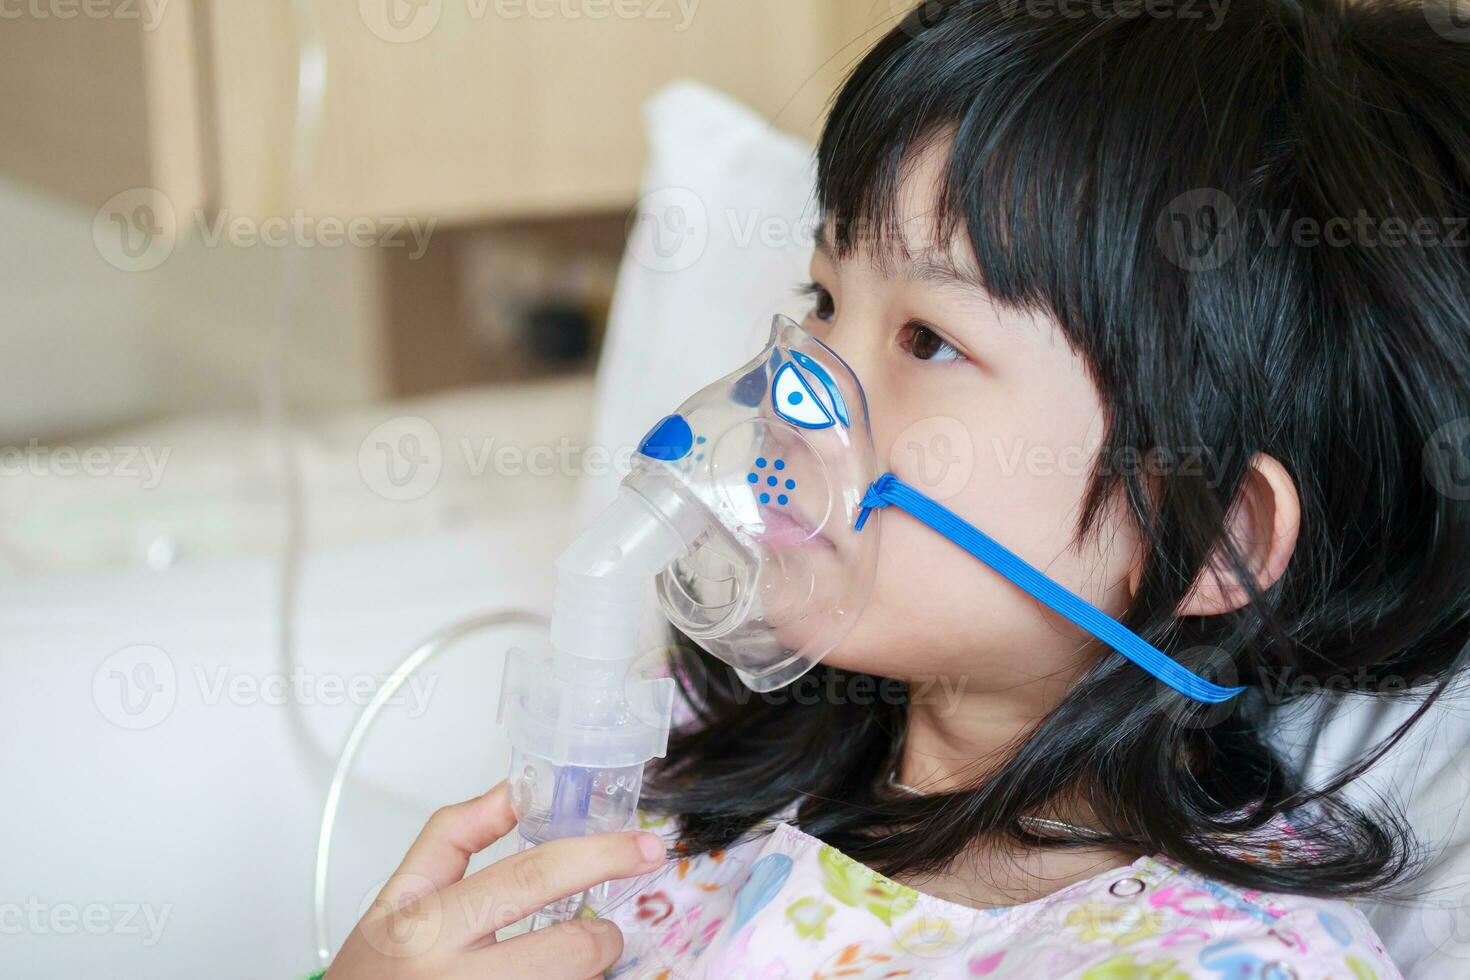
{"x": 839, "y": 407}
{"x": 800, "y": 401}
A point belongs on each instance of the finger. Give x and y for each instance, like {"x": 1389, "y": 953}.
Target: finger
{"x": 442, "y": 851}
{"x": 571, "y": 950}
{"x": 509, "y": 890}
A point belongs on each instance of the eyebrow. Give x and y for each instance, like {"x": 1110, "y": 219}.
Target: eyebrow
{"x": 941, "y": 270}
{"x": 929, "y": 266}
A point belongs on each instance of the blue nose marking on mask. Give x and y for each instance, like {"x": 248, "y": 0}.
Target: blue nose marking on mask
{"x": 671, "y": 439}
{"x": 750, "y": 389}
{"x": 889, "y": 489}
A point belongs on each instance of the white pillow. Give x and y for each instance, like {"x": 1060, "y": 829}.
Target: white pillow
{"x": 719, "y": 242}
{"x": 721, "y": 236}
{"x": 1425, "y": 923}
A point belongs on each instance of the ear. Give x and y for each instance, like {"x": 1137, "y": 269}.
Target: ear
{"x": 1263, "y": 522}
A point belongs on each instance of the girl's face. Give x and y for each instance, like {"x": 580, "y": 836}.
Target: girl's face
{"x": 989, "y": 411}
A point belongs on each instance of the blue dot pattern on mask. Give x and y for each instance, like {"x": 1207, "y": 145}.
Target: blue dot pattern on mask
{"x": 754, "y": 477}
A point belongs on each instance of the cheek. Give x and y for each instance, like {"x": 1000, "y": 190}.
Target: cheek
{"x": 936, "y": 609}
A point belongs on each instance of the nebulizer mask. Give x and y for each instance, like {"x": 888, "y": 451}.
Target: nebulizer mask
{"x": 753, "y": 510}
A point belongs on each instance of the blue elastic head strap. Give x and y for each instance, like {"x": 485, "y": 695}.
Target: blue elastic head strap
{"x": 889, "y": 489}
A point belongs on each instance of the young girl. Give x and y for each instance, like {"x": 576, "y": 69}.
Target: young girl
{"x": 1189, "y": 302}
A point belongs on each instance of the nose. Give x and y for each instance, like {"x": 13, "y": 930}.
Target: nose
{"x": 854, "y": 343}
{"x": 859, "y": 342}
{"x": 859, "y": 338}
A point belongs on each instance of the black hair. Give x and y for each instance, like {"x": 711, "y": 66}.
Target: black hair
{"x": 1152, "y": 181}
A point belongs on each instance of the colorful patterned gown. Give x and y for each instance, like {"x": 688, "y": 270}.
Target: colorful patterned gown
{"x": 782, "y": 904}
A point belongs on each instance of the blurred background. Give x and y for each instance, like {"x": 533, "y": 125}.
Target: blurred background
{"x": 218, "y": 209}
{"x": 301, "y": 319}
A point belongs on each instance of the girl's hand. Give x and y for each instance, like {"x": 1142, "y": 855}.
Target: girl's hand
{"x": 431, "y": 921}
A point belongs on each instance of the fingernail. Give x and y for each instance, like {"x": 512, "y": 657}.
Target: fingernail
{"x": 651, "y": 846}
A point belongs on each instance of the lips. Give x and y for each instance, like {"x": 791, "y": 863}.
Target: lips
{"x": 785, "y": 529}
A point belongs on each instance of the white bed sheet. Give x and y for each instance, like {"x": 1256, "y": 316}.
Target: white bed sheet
{"x": 207, "y": 819}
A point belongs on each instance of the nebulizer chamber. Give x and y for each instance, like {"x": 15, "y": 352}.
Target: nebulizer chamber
{"x": 739, "y": 510}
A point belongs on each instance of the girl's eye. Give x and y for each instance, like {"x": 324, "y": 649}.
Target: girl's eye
{"x": 925, "y": 344}
{"x": 824, "y": 307}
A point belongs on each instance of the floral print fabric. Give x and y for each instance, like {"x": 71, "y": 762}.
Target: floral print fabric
{"x": 784, "y": 905}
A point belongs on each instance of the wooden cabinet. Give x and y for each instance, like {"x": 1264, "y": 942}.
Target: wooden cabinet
{"x": 102, "y": 97}
{"x": 460, "y": 110}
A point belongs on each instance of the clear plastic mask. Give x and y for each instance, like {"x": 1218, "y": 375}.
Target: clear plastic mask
{"x": 777, "y": 455}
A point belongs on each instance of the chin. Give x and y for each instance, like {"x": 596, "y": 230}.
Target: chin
{"x": 859, "y": 658}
